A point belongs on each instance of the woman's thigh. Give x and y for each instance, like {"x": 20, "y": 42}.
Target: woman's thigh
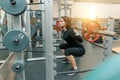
{"x": 77, "y": 52}
{"x": 63, "y": 46}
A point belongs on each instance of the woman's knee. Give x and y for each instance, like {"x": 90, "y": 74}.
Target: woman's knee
{"x": 67, "y": 52}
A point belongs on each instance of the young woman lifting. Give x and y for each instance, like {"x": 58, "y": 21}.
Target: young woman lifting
{"x": 73, "y": 47}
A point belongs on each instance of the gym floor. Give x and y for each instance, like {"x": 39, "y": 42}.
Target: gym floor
{"x": 35, "y": 70}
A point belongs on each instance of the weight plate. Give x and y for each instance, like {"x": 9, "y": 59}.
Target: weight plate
{"x": 38, "y": 14}
{"x": 15, "y": 40}
{"x": 14, "y": 9}
{"x": 38, "y": 25}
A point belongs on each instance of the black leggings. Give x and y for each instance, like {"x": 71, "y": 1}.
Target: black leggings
{"x": 77, "y": 50}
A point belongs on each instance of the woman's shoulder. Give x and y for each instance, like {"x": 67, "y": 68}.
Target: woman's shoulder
{"x": 71, "y": 29}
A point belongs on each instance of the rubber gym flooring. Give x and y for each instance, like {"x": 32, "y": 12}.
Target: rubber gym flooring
{"x": 35, "y": 70}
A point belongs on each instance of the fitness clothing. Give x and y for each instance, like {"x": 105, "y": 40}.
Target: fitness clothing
{"x": 72, "y": 45}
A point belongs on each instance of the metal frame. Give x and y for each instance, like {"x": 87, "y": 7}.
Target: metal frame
{"x": 2, "y": 20}
{"x": 108, "y": 40}
{"x": 49, "y": 39}
{"x": 66, "y": 6}
{"x": 17, "y": 25}
{"x": 43, "y": 58}
{"x": 28, "y": 29}
{"x": 38, "y": 34}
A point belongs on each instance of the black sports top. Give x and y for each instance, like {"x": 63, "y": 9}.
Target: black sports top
{"x": 70, "y": 38}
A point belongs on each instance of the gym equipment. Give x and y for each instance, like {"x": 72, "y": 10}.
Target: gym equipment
{"x": 91, "y": 31}
{"x": 15, "y": 40}
{"x": 3, "y": 18}
{"x": 37, "y": 38}
{"x": 3, "y": 31}
{"x": 33, "y": 30}
{"x": 38, "y": 25}
{"x": 35, "y": 3}
{"x": 38, "y": 14}
{"x": 31, "y": 13}
{"x": 48, "y": 35}
{"x": 87, "y": 31}
{"x": 18, "y": 67}
{"x": 13, "y": 7}
{"x": 74, "y": 71}
{"x": 9, "y": 69}
{"x": 43, "y": 58}
{"x": 19, "y": 63}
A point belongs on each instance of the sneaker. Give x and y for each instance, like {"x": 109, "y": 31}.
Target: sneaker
{"x": 65, "y": 61}
{"x": 72, "y": 73}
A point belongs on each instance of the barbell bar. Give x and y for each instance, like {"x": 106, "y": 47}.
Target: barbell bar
{"x": 35, "y": 3}
{"x": 74, "y": 71}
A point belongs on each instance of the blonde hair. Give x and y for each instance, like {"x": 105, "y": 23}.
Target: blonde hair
{"x": 74, "y": 23}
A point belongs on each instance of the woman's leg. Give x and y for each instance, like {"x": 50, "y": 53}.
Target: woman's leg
{"x": 63, "y": 51}
{"x": 72, "y": 61}
{"x": 62, "y": 47}
{"x": 70, "y": 53}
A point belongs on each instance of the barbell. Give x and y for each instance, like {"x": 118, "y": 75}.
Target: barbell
{"x": 91, "y": 30}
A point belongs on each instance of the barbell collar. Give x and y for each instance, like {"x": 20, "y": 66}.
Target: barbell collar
{"x": 16, "y": 41}
{"x": 13, "y": 2}
{"x": 18, "y": 68}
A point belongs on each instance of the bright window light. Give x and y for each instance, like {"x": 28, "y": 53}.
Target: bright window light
{"x": 92, "y": 12}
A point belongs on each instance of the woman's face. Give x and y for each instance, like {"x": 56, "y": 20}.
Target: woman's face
{"x": 61, "y": 22}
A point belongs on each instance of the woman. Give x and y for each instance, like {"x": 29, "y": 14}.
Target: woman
{"x": 72, "y": 48}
